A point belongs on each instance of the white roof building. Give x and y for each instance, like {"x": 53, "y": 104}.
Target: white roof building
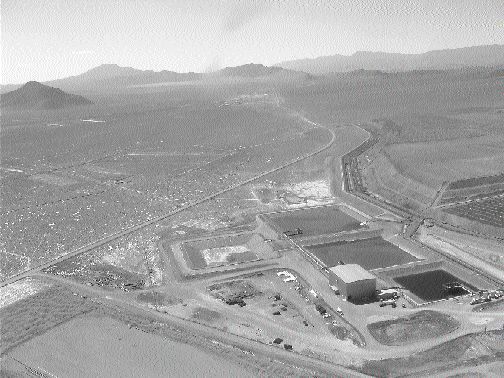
{"x": 349, "y": 273}
{"x": 353, "y": 281}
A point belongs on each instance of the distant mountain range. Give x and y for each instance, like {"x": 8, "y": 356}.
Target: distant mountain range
{"x": 110, "y": 76}
{"x": 478, "y": 56}
{"x": 259, "y": 71}
{"x": 363, "y": 64}
{"x": 34, "y": 95}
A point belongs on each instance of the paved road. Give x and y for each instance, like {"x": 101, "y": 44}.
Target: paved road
{"x": 148, "y": 222}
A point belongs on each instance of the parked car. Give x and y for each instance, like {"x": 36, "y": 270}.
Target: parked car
{"x": 390, "y": 302}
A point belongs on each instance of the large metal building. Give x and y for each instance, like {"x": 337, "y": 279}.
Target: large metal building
{"x": 353, "y": 281}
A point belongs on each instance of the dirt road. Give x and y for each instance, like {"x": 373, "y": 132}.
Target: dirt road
{"x": 213, "y": 335}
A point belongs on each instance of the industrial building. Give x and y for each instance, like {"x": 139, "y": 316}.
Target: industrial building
{"x": 353, "y": 281}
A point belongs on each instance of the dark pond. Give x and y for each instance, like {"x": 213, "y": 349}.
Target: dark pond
{"x": 319, "y": 221}
{"x": 429, "y": 285}
{"x": 369, "y": 253}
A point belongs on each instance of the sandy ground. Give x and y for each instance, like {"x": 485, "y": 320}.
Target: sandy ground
{"x": 208, "y": 224}
{"x": 138, "y": 255}
{"x": 315, "y": 193}
{"x": 490, "y": 250}
{"x": 98, "y": 347}
{"x": 221, "y": 254}
{"x": 492, "y": 370}
{"x": 19, "y": 290}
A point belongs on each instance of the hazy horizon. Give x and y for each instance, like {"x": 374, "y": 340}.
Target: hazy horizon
{"x": 41, "y": 42}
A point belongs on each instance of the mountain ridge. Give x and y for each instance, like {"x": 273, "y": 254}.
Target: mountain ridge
{"x": 113, "y": 75}
{"x": 109, "y": 75}
{"x": 474, "y": 56}
{"x": 34, "y": 95}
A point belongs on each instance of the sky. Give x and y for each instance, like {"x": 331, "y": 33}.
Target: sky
{"x": 50, "y": 39}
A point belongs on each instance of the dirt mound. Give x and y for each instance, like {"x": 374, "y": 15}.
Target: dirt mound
{"x": 234, "y": 292}
{"x": 205, "y": 314}
{"x": 474, "y": 349}
{"x": 416, "y": 327}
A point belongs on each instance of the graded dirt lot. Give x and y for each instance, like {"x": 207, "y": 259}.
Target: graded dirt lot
{"x": 19, "y": 290}
{"x": 92, "y": 347}
{"x": 38, "y": 313}
{"x": 435, "y": 162}
{"x": 262, "y": 306}
{"x": 419, "y": 326}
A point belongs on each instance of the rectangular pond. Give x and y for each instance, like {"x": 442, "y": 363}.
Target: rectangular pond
{"x": 429, "y": 286}
{"x": 317, "y": 221}
{"x": 369, "y": 253}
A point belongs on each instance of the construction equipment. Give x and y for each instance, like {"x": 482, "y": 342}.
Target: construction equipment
{"x": 297, "y": 231}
